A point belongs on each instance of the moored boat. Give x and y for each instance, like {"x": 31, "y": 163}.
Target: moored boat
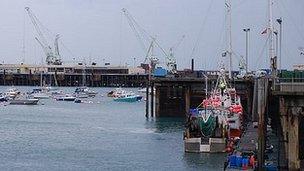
{"x": 65, "y": 97}
{"x": 128, "y": 97}
{"x": 217, "y": 122}
{"x": 40, "y": 93}
{"x": 81, "y": 95}
{"x": 3, "y": 98}
{"x": 12, "y": 93}
{"x": 24, "y": 102}
{"x": 116, "y": 92}
{"x": 84, "y": 92}
{"x": 40, "y": 96}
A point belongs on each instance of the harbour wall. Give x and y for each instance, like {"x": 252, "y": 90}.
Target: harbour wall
{"x": 74, "y": 79}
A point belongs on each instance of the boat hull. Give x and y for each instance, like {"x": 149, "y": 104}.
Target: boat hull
{"x": 3, "y": 99}
{"x": 66, "y": 99}
{"x": 24, "y": 102}
{"x": 213, "y": 145}
{"x": 41, "y": 96}
{"x": 128, "y": 99}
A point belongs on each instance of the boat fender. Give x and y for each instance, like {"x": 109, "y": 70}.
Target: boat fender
{"x": 228, "y": 150}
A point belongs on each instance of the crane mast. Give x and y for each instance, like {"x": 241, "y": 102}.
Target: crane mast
{"x": 136, "y": 28}
{"x": 171, "y": 61}
{"x": 57, "y": 46}
{"x": 52, "y": 58}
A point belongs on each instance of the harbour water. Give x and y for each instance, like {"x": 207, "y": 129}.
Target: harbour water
{"x": 103, "y": 135}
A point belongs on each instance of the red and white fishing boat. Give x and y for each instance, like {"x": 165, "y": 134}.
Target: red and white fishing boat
{"x": 217, "y": 122}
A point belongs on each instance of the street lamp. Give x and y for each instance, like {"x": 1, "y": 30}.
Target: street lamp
{"x": 279, "y": 20}
{"x": 276, "y": 46}
{"x": 247, "y": 30}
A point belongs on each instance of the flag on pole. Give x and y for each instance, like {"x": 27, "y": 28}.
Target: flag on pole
{"x": 265, "y": 31}
{"x": 224, "y": 54}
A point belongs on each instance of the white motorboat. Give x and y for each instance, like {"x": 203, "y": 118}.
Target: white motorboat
{"x": 66, "y": 97}
{"x": 12, "y": 93}
{"x": 40, "y": 93}
{"x": 82, "y": 91}
{"x": 116, "y": 93}
{"x": 81, "y": 95}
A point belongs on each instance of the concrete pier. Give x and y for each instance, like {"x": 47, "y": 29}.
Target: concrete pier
{"x": 291, "y": 120}
{"x": 175, "y": 96}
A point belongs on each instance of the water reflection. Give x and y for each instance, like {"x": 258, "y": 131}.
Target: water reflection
{"x": 207, "y": 161}
{"x": 166, "y": 124}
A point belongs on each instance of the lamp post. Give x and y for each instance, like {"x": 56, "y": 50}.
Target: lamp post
{"x": 277, "y": 42}
{"x": 247, "y": 30}
{"x": 279, "y": 20}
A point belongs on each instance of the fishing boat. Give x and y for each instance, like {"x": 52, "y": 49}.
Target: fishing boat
{"x": 217, "y": 122}
{"x": 128, "y": 97}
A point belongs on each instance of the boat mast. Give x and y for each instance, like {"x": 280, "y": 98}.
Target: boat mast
{"x": 229, "y": 35}
{"x": 40, "y": 76}
{"x": 84, "y": 73}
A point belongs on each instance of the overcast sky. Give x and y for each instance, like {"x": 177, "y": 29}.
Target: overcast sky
{"x": 98, "y": 31}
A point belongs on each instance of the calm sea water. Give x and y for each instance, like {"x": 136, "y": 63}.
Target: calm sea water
{"x": 103, "y": 135}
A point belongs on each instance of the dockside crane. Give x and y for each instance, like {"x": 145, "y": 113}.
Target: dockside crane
{"x": 52, "y": 57}
{"x": 144, "y": 38}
